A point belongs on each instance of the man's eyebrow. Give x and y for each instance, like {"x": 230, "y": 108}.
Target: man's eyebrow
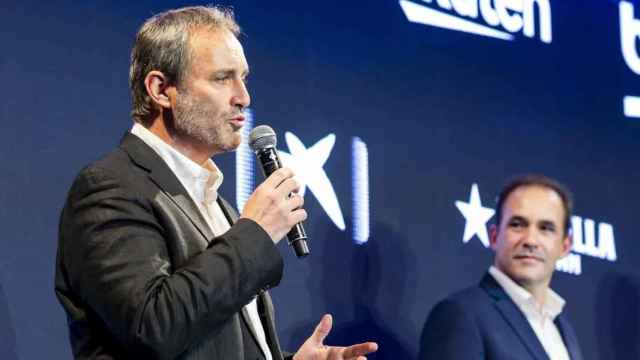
{"x": 547, "y": 223}
{"x": 518, "y": 217}
{"x": 244, "y": 73}
{"x": 224, "y": 72}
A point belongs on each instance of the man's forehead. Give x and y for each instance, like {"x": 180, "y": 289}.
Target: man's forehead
{"x": 216, "y": 44}
{"x": 535, "y": 200}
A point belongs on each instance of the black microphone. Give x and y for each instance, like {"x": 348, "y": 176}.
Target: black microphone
{"x": 263, "y": 142}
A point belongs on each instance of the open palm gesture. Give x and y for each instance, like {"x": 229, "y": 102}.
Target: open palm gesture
{"x": 314, "y": 349}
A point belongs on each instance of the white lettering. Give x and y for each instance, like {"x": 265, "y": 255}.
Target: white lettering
{"x": 572, "y": 264}
{"x": 426, "y": 15}
{"x": 576, "y": 232}
{"x": 489, "y": 14}
{"x": 584, "y": 239}
{"x": 544, "y": 12}
{"x": 606, "y": 242}
{"x": 590, "y": 237}
{"x": 629, "y": 31}
{"x": 513, "y": 15}
{"x": 631, "y": 106}
{"x": 445, "y": 4}
{"x": 468, "y": 8}
{"x": 511, "y": 22}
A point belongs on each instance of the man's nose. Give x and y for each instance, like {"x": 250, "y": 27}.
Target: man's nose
{"x": 241, "y": 96}
{"x": 530, "y": 239}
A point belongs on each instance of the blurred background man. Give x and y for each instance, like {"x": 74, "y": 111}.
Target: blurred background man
{"x": 513, "y": 313}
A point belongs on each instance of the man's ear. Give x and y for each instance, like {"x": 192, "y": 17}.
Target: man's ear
{"x": 158, "y": 88}
{"x": 493, "y": 236}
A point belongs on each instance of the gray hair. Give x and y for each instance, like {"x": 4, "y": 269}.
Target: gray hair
{"x": 162, "y": 44}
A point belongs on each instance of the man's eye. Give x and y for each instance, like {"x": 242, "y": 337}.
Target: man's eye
{"x": 548, "y": 228}
{"x": 516, "y": 224}
{"x": 222, "y": 77}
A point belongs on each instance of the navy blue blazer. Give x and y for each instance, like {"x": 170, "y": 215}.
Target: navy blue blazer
{"x": 482, "y": 322}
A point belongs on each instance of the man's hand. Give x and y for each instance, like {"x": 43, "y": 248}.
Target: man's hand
{"x": 314, "y": 349}
{"x": 275, "y": 205}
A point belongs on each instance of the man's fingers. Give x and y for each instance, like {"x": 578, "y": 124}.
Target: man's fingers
{"x": 297, "y": 216}
{"x": 288, "y": 186}
{"x": 274, "y": 180}
{"x": 353, "y": 351}
{"x": 295, "y": 202}
{"x": 322, "y": 330}
{"x": 281, "y": 184}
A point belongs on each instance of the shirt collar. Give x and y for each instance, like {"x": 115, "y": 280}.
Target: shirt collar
{"x": 201, "y": 181}
{"x": 553, "y": 303}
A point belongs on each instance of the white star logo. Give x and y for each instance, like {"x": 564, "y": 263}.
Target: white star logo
{"x": 476, "y": 217}
{"x": 307, "y": 165}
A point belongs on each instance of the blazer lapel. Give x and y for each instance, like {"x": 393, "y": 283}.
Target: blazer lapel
{"x": 145, "y": 157}
{"x": 228, "y": 210}
{"x": 514, "y": 317}
{"x": 232, "y": 217}
{"x": 569, "y": 337}
{"x": 252, "y": 330}
{"x": 265, "y": 309}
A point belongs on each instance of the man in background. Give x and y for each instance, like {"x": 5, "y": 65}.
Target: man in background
{"x": 512, "y": 313}
{"x": 152, "y": 263}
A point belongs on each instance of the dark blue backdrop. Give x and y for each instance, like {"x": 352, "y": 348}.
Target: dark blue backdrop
{"x": 438, "y": 109}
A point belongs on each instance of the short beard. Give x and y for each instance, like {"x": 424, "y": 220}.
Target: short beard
{"x": 192, "y": 120}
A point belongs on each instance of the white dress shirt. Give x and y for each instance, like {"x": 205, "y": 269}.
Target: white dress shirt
{"x": 540, "y": 317}
{"x": 202, "y": 183}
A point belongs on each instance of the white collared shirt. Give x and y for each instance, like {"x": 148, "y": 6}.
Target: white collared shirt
{"x": 202, "y": 183}
{"x": 540, "y": 318}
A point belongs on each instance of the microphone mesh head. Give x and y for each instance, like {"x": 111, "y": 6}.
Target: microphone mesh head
{"x": 262, "y": 137}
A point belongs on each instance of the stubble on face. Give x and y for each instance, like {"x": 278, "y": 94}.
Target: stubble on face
{"x": 204, "y": 107}
{"x": 200, "y": 121}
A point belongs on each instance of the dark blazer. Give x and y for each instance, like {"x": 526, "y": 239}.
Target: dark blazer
{"x": 482, "y": 322}
{"x": 141, "y": 276}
